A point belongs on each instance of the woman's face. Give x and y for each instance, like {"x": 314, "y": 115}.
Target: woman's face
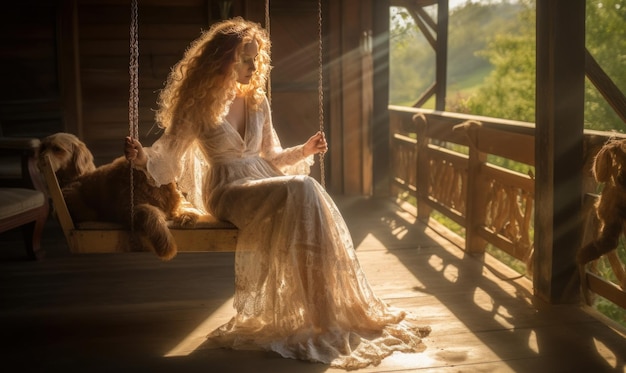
{"x": 247, "y": 66}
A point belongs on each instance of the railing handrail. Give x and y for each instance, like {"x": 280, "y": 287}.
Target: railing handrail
{"x": 487, "y": 121}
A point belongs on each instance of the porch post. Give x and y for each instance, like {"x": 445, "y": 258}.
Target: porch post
{"x": 380, "y": 128}
{"x": 559, "y": 148}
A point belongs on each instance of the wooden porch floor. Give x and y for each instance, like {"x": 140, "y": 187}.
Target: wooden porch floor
{"x": 133, "y": 313}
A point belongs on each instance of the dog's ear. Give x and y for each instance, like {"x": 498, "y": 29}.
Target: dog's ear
{"x": 83, "y": 159}
{"x": 603, "y": 164}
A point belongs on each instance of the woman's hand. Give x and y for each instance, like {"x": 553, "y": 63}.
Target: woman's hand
{"x": 133, "y": 151}
{"x": 315, "y": 144}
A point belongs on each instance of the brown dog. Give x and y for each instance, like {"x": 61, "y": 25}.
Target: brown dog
{"x": 103, "y": 193}
{"x": 609, "y": 167}
{"x": 69, "y": 156}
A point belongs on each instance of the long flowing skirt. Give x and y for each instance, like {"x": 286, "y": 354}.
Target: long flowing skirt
{"x": 299, "y": 288}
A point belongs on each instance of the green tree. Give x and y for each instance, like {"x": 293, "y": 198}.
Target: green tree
{"x": 411, "y": 60}
{"x": 509, "y": 91}
{"x": 469, "y": 30}
{"x": 606, "y": 41}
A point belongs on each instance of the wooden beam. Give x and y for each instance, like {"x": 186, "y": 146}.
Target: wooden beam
{"x": 351, "y": 91}
{"x": 607, "y": 88}
{"x": 441, "y": 56}
{"x": 380, "y": 126}
{"x": 367, "y": 97}
{"x": 559, "y": 147}
{"x": 334, "y": 97}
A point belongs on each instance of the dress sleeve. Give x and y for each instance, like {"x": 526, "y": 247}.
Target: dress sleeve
{"x": 291, "y": 161}
{"x": 176, "y": 157}
{"x": 167, "y": 155}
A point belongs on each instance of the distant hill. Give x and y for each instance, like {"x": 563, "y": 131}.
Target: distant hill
{"x": 471, "y": 27}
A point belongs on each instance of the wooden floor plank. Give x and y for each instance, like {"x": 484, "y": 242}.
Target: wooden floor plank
{"x": 132, "y": 312}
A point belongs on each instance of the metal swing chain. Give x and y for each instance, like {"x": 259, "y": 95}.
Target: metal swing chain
{"x": 320, "y": 88}
{"x": 133, "y": 100}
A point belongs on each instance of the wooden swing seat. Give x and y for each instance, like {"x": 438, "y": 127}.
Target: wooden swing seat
{"x": 209, "y": 234}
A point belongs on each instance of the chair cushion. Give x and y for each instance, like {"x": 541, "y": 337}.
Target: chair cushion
{"x": 17, "y": 200}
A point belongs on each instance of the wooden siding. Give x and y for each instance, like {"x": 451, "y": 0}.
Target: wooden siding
{"x": 30, "y": 101}
{"x": 67, "y": 61}
{"x": 165, "y": 30}
{"x": 294, "y": 77}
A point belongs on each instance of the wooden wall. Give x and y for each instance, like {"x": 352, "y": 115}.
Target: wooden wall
{"x": 165, "y": 30}
{"x": 67, "y": 63}
{"x": 30, "y": 101}
{"x": 294, "y": 78}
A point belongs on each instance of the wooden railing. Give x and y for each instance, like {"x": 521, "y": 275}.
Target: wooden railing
{"x": 478, "y": 173}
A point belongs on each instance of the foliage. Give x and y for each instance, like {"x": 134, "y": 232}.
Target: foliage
{"x": 608, "y": 309}
{"x": 411, "y": 59}
{"x": 470, "y": 29}
{"x": 603, "y": 268}
{"x": 606, "y": 41}
{"x": 509, "y": 91}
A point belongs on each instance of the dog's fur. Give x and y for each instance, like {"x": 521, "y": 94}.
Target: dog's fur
{"x": 609, "y": 167}
{"x": 103, "y": 193}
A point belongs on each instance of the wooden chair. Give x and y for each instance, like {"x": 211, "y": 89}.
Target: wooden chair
{"x": 23, "y": 201}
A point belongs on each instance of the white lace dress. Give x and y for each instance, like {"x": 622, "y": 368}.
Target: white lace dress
{"x": 299, "y": 289}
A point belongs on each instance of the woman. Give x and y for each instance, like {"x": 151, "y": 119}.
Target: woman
{"x": 299, "y": 289}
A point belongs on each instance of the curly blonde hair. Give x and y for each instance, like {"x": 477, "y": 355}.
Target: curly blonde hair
{"x": 203, "y": 84}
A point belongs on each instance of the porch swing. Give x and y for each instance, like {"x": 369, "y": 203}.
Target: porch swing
{"x": 209, "y": 234}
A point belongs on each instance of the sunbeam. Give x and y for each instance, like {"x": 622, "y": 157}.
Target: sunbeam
{"x": 198, "y": 336}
